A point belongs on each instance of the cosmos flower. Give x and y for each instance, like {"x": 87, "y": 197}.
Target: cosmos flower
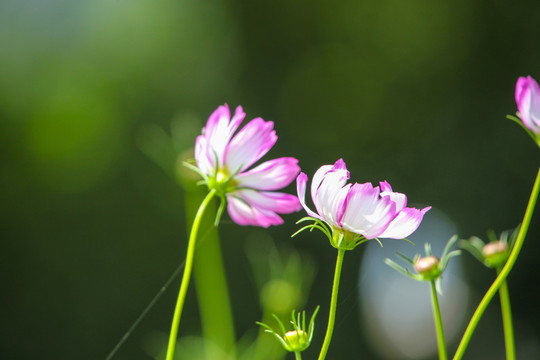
{"x": 224, "y": 161}
{"x": 356, "y": 212}
{"x": 528, "y": 103}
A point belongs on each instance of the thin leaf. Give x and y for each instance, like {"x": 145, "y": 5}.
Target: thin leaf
{"x": 407, "y": 240}
{"x": 491, "y": 235}
{"x": 438, "y": 285}
{"x": 220, "y": 211}
{"x": 362, "y": 240}
{"x": 467, "y": 245}
{"x": 400, "y": 255}
{"x": 312, "y": 323}
{"x": 302, "y": 229}
{"x": 306, "y": 218}
{"x": 514, "y": 236}
{"x": 448, "y": 257}
{"x": 427, "y": 249}
{"x": 279, "y": 323}
{"x": 195, "y": 169}
{"x": 268, "y": 328}
{"x": 397, "y": 267}
{"x": 376, "y": 239}
{"x": 520, "y": 123}
{"x": 477, "y": 242}
{"x": 449, "y": 244}
{"x": 282, "y": 341}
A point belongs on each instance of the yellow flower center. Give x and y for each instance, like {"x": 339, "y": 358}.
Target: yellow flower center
{"x": 222, "y": 182}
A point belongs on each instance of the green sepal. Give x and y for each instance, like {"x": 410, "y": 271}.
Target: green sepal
{"x": 221, "y": 209}
{"x": 406, "y": 258}
{"x": 474, "y": 246}
{"x": 438, "y": 285}
{"x": 303, "y": 335}
{"x": 449, "y": 244}
{"x": 317, "y": 224}
{"x": 444, "y": 261}
{"x": 430, "y": 274}
{"x": 516, "y": 119}
{"x": 427, "y": 249}
{"x": 195, "y": 169}
{"x": 402, "y": 270}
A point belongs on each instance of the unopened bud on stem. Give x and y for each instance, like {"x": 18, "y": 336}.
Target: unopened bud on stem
{"x": 495, "y": 253}
{"x": 428, "y": 267}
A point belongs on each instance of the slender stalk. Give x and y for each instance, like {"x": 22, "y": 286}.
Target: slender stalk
{"x": 297, "y": 355}
{"x": 504, "y": 272}
{"x": 333, "y": 305}
{"x": 508, "y": 327}
{"x": 209, "y": 277}
{"x": 441, "y": 344}
{"x": 187, "y": 275}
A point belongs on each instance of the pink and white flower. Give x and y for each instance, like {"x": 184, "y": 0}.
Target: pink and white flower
{"x": 357, "y": 211}
{"x": 224, "y": 161}
{"x": 528, "y": 103}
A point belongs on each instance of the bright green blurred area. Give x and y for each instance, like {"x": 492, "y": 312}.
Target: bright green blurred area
{"x": 413, "y": 92}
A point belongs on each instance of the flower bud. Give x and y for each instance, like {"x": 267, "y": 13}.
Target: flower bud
{"x": 527, "y": 100}
{"x": 297, "y": 340}
{"x": 495, "y": 253}
{"x": 428, "y": 267}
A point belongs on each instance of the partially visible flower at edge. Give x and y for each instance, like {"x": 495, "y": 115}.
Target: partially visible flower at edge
{"x": 223, "y": 161}
{"x": 528, "y": 103}
{"x": 356, "y": 212}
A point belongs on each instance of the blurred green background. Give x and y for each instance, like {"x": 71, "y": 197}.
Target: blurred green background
{"x": 414, "y": 92}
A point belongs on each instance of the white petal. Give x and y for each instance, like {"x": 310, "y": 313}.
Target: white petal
{"x": 270, "y": 175}
{"x": 327, "y": 190}
{"x": 268, "y": 200}
{"x": 405, "y": 223}
{"x": 244, "y": 214}
{"x": 301, "y": 182}
{"x": 251, "y": 143}
{"x": 220, "y": 128}
{"x": 366, "y": 213}
{"x": 205, "y": 162}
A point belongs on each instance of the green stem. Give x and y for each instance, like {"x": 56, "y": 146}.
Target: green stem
{"x": 441, "y": 344}
{"x": 504, "y": 272}
{"x": 506, "y": 311}
{"x": 209, "y": 277}
{"x": 333, "y": 305}
{"x": 297, "y": 355}
{"x": 187, "y": 275}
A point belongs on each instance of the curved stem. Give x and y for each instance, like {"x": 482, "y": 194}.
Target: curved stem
{"x": 441, "y": 344}
{"x": 209, "y": 276}
{"x": 297, "y": 355}
{"x": 333, "y": 305}
{"x": 508, "y": 327}
{"x": 187, "y": 275}
{"x": 504, "y": 272}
